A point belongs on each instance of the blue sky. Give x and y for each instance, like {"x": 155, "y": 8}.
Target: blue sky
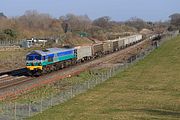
{"x": 119, "y": 10}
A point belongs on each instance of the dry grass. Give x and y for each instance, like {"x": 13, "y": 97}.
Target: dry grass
{"x": 12, "y": 60}
{"x": 148, "y": 90}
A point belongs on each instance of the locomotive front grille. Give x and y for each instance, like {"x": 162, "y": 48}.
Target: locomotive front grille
{"x": 34, "y": 68}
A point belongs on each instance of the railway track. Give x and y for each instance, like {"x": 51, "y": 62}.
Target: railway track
{"x": 21, "y": 71}
{"x": 9, "y": 81}
{"x": 14, "y": 83}
{"x": 11, "y": 78}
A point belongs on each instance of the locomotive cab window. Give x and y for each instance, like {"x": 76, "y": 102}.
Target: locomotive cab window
{"x": 29, "y": 58}
{"x": 37, "y": 57}
{"x": 33, "y": 57}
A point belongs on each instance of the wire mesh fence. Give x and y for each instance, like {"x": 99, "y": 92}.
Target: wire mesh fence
{"x": 23, "y": 110}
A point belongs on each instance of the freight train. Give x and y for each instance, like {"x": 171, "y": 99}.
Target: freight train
{"x": 44, "y": 61}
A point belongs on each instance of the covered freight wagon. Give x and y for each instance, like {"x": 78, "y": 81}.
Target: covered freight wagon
{"x": 97, "y": 49}
{"x": 129, "y": 40}
{"x": 121, "y": 43}
{"x": 108, "y": 47}
{"x": 139, "y": 37}
{"x": 84, "y": 53}
{"x": 115, "y": 45}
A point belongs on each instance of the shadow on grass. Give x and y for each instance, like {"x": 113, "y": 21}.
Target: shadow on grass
{"x": 162, "y": 112}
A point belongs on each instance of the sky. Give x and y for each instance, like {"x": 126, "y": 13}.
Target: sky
{"x": 119, "y": 10}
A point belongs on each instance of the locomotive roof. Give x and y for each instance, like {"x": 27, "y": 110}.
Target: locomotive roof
{"x": 51, "y": 51}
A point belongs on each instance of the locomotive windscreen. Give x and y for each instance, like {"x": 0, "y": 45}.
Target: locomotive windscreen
{"x": 33, "y": 57}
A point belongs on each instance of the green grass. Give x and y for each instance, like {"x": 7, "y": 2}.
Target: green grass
{"x": 148, "y": 90}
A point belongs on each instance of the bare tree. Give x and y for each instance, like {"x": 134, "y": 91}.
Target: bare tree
{"x": 35, "y": 20}
{"x": 137, "y": 23}
{"x": 175, "y": 20}
{"x": 72, "y": 22}
{"x": 103, "y": 22}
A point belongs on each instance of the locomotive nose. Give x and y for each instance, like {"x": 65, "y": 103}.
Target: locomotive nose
{"x": 31, "y": 68}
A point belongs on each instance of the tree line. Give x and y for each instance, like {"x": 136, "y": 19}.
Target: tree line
{"x": 41, "y": 25}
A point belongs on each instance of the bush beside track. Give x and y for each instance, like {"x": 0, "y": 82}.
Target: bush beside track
{"x": 148, "y": 90}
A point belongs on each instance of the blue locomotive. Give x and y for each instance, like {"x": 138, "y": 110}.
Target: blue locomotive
{"x": 42, "y": 61}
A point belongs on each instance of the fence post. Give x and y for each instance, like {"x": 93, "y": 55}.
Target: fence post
{"x": 51, "y": 99}
{"x": 113, "y": 70}
{"x": 101, "y": 76}
{"x": 96, "y": 80}
{"x": 41, "y": 106}
{"x": 15, "y": 110}
{"x": 104, "y": 76}
{"x": 110, "y": 72}
{"x": 29, "y": 109}
{"x": 107, "y": 74}
{"x": 88, "y": 84}
{"x": 71, "y": 91}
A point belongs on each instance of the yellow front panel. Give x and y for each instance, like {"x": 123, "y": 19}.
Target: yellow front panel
{"x": 34, "y": 67}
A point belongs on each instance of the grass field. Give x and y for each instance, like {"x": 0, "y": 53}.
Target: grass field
{"x": 148, "y": 90}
